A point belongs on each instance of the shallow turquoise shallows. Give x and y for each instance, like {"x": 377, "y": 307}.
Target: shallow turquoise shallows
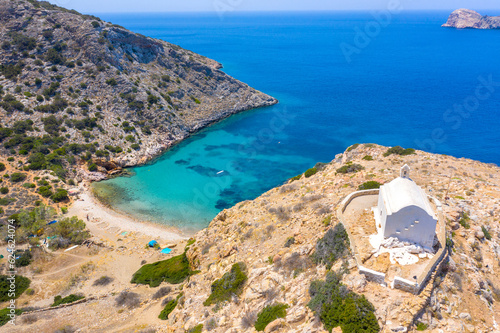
{"x": 408, "y": 82}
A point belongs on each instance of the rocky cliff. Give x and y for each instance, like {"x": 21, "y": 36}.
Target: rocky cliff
{"x": 278, "y": 239}
{"x": 469, "y": 19}
{"x": 83, "y": 98}
{"x": 58, "y": 62}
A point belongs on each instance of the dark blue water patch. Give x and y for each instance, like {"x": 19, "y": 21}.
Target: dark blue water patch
{"x": 231, "y": 146}
{"x": 208, "y": 171}
{"x": 182, "y": 162}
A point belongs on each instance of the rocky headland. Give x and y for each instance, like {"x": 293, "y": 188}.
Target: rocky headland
{"x": 81, "y": 98}
{"x": 277, "y": 242}
{"x": 469, "y": 19}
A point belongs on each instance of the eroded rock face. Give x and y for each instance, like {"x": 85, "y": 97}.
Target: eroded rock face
{"x": 137, "y": 93}
{"x": 469, "y": 19}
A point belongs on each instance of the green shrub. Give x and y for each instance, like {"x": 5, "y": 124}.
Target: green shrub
{"x": 354, "y": 146}
{"x": 54, "y": 56}
{"x": 22, "y": 283}
{"x": 421, "y": 326}
{"x": 350, "y": 168}
{"x": 37, "y": 161}
{"x": 4, "y": 202}
{"x": 10, "y": 71}
{"x": 4, "y": 190}
{"x": 295, "y": 178}
{"x": 368, "y": 158}
{"x": 4, "y": 315}
{"x": 169, "y": 307}
{"x": 335, "y": 306}
{"x": 230, "y": 283}
{"x": 23, "y": 43}
{"x": 370, "y": 185}
{"x": 486, "y": 233}
{"x": 95, "y": 24}
{"x": 71, "y": 229}
{"x": 92, "y": 167}
{"x": 2, "y": 167}
{"x": 58, "y": 300}
{"x": 398, "y": 150}
{"x": 289, "y": 241}
{"x": 17, "y": 177}
{"x": 111, "y": 82}
{"x": 10, "y": 103}
{"x": 60, "y": 195}
{"x": 24, "y": 258}
{"x": 45, "y": 191}
{"x": 270, "y": 313}
{"x": 310, "y": 172}
{"x": 333, "y": 246}
{"x": 152, "y": 99}
{"x": 464, "y": 220}
{"x": 197, "y": 329}
{"x": 173, "y": 270}
{"x": 135, "y": 146}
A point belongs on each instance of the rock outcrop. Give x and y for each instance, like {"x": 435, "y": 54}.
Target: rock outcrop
{"x": 276, "y": 237}
{"x": 75, "y": 67}
{"x": 95, "y": 97}
{"x": 469, "y": 19}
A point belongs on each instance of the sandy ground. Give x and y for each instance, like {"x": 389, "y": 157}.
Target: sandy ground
{"x": 74, "y": 271}
{"x": 106, "y": 223}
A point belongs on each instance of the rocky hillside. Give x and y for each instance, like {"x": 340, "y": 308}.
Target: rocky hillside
{"x": 469, "y": 19}
{"x": 82, "y": 98}
{"x": 281, "y": 262}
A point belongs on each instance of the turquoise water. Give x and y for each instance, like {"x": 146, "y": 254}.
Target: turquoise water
{"x": 412, "y": 83}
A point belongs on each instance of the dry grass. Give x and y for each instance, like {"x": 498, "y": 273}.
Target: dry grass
{"x": 129, "y": 299}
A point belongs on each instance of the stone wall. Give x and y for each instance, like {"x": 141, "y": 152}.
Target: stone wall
{"x": 414, "y": 287}
{"x": 372, "y": 275}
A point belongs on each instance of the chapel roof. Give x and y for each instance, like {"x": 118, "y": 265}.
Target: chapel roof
{"x": 404, "y": 192}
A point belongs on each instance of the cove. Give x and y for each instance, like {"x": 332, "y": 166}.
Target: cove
{"x": 411, "y": 84}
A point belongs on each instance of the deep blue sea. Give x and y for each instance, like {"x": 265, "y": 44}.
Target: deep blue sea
{"x": 341, "y": 78}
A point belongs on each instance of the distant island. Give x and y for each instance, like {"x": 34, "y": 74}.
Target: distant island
{"x": 469, "y": 19}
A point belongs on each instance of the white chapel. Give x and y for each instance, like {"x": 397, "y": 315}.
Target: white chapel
{"x": 404, "y": 211}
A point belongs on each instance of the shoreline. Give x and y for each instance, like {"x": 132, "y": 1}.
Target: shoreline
{"x": 105, "y": 222}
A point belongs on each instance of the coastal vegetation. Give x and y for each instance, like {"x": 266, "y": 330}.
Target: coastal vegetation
{"x": 231, "y": 283}
{"x": 310, "y": 172}
{"x": 65, "y": 232}
{"x": 22, "y": 283}
{"x": 335, "y": 306}
{"x": 269, "y": 314}
{"x": 369, "y": 185}
{"x": 332, "y": 246}
{"x": 4, "y": 315}
{"x": 174, "y": 270}
{"x": 169, "y": 307}
{"x": 128, "y": 299}
{"x": 58, "y": 300}
{"x": 196, "y": 329}
{"x": 398, "y": 150}
{"x": 350, "y": 167}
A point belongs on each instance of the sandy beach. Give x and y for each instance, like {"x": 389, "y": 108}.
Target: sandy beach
{"x": 106, "y": 223}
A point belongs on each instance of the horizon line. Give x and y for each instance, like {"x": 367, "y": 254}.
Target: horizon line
{"x": 273, "y": 11}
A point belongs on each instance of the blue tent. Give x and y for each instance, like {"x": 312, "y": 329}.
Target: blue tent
{"x": 52, "y": 222}
{"x": 152, "y": 243}
{"x": 166, "y": 250}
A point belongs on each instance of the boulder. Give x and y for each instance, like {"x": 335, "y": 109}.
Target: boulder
{"x": 275, "y": 325}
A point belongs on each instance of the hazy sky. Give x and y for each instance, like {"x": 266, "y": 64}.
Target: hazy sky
{"x": 101, "y": 6}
